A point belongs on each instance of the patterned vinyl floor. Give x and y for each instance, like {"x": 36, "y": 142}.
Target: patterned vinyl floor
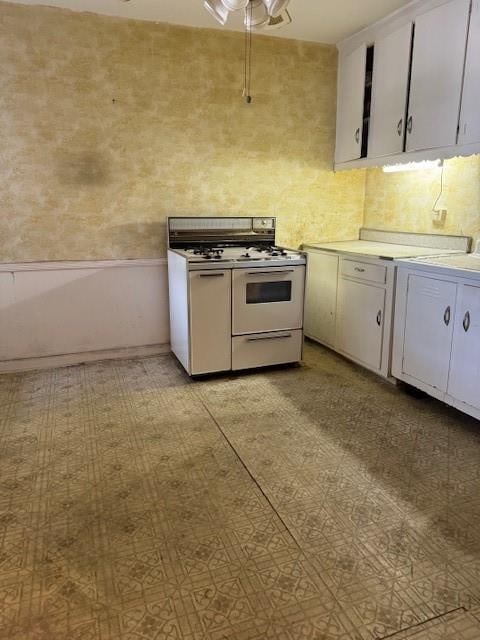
{"x": 308, "y": 503}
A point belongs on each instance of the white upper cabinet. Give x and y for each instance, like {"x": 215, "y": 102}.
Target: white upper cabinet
{"x": 351, "y": 90}
{"x": 437, "y": 75}
{"x": 391, "y": 69}
{"x": 469, "y": 130}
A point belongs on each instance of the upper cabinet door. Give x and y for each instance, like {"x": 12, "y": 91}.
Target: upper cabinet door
{"x": 351, "y": 90}
{"x": 469, "y": 131}
{"x": 391, "y": 69}
{"x": 437, "y": 74}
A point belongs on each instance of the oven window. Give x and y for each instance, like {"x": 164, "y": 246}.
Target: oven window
{"x": 265, "y": 292}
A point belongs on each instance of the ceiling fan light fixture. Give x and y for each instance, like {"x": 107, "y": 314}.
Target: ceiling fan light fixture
{"x": 280, "y": 21}
{"x": 217, "y": 9}
{"x": 256, "y": 15}
{"x": 276, "y": 7}
{"x": 235, "y": 5}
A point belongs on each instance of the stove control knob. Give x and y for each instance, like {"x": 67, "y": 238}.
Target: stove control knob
{"x": 247, "y": 255}
{"x": 208, "y": 257}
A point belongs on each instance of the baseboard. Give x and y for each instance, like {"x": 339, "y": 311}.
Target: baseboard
{"x": 69, "y": 359}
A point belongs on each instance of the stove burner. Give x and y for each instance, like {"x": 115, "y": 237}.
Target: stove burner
{"x": 270, "y": 250}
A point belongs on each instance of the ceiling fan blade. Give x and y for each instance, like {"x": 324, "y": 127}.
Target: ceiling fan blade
{"x": 216, "y": 9}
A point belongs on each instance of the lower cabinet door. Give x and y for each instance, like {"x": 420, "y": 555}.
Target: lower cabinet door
{"x": 210, "y": 321}
{"x": 360, "y": 320}
{"x": 464, "y": 379}
{"x": 321, "y": 297}
{"x": 263, "y": 349}
{"x": 430, "y": 316}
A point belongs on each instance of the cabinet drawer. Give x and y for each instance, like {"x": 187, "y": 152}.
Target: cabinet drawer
{"x": 264, "y": 349}
{"x": 364, "y": 271}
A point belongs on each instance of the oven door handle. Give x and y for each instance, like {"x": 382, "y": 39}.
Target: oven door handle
{"x": 212, "y": 275}
{"x": 269, "y": 273}
{"x": 255, "y": 339}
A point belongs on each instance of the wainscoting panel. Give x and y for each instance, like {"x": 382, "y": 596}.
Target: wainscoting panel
{"x": 59, "y": 308}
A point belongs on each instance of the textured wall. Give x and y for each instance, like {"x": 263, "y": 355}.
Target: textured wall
{"x": 109, "y": 125}
{"x": 404, "y": 201}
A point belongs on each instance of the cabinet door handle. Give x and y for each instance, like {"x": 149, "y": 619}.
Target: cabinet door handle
{"x": 447, "y": 316}
{"x": 466, "y": 322}
{"x": 357, "y": 135}
{"x": 400, "y": 127}
{"x": 212, "y": 275}
{"x": 256, "y": 339}
{"x": 410, "y": 124}
{"x": 359, "y": 269}
{"x": 379, "y": 318}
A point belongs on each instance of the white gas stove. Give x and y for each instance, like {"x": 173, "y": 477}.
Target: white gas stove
{"x": 236, "y": 299}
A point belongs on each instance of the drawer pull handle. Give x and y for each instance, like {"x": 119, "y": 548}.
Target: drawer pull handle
{"x": 212, "y": 275}
{"x": 410, "y": 124}
{"x": 400, "y": 127}
{"x": 285, "y": 335}
{"x": 357, "y": 135}
{"x": 447, "y": 316}
{"x": 466, "y": 322}
{"x": 379, "y": 318}
{"x": 359, "y": 269}
{"x": 269, "y": 273}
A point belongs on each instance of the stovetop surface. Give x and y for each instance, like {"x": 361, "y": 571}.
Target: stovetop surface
{"x": 238, "y": 257}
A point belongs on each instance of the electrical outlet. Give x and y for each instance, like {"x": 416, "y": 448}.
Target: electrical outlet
{"x": 439, "y": 215}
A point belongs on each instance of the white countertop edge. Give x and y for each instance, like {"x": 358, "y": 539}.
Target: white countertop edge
{"x": 437, "y": 269}
{"x": 357, "y": 251}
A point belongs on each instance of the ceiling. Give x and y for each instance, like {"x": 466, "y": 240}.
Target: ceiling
{"x": 325, "y": 21}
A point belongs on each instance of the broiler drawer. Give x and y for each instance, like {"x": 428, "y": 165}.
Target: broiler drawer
{"x": 264, "y": 349}
{"x": 363, "y": 271}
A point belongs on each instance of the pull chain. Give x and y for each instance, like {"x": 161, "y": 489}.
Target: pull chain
{"x": 248, "y": 54}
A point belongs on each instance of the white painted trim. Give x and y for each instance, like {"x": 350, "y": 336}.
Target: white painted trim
{"x": 442, "y": 153}
{"x": 61, "y": 265}
{"x": 69, "y": 359}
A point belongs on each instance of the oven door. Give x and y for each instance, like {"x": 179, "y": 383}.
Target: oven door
{"x": 267, "y": 299}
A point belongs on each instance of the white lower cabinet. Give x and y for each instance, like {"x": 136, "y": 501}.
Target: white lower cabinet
{"x": 321, "y": 297}
{"x": 436, "y": 344}
{"x": 464, "y": 378}
{"x": 211, "y": 324}
{"x": 361, "y": 309}
{"x": 348, "y": 306}
{"x": 428, "y": 330}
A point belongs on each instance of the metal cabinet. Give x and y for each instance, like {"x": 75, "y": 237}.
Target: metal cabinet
{"x": 348, "y": 306}
{"x": 391, "y": 69}
{"x": 464, "y": 377}
{"x": 429, "y": 320}
{"x": 351, "y": 89}
{"x": 436, "y": 345}
{"x": 469, "y": 129}
{"x": 437, "y": 74}
{"x": 321, "y": 297}
{"x": 361, "y": 312}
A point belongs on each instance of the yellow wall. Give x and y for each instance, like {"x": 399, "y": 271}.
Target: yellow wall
{"x": 108, "y": 125}
{"x": 404, "y": 201}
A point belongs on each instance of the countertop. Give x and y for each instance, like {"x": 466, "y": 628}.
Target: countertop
{"x": 383, "y": 250}
{"x": 466, "y": 265}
